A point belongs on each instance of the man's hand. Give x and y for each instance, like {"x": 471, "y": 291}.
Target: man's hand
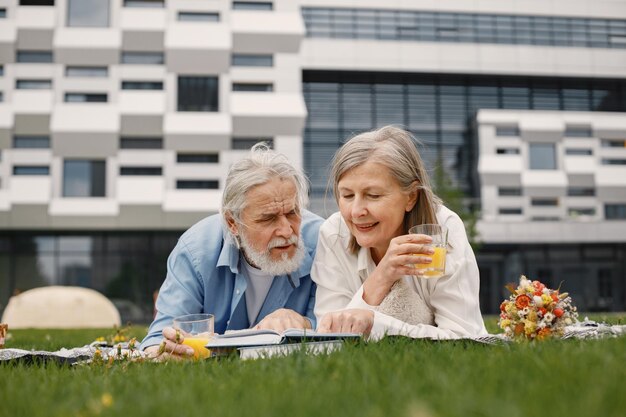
{"x": 171, "y": 347}
{"x": 283, "y": 319}
{"x": 347, "y": 321}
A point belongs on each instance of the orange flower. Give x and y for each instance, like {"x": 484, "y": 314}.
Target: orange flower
{"x": 555, "y": 296}
{"x": 558, "y": 312}
{"x": 522, "y": 301}
{"x": 503, "y": 306}
{"x": 519, "y": 328}
{"x": 539, "y": 287}
{"x": 543, "y": 311}
{"x": 544, "y": 333}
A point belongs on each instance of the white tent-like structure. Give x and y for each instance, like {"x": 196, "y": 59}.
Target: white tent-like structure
{"x": 59, "y": 307}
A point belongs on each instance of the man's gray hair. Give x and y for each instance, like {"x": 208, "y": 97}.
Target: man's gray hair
{"x": 259, "y": 167}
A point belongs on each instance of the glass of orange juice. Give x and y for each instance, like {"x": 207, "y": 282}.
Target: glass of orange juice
{"x": 437, "y": 267}
{"x": 196, "y": 330}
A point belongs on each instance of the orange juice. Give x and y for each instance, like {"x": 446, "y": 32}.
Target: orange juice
{"x": 437, "y": 267}
{"x": 197, "y": 343}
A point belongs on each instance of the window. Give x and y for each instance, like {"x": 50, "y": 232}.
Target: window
{"x": 197, "y": 94}
{"x": 88, "y": 13}
{"x": 621, "y": 143}
{"x": 198, "y": 17}
{"x": 254, "y": 87}
{"x": 3, "y": 13}
{"x": 247, "y": 143}
{"x": 85, "y": 98}
{"x": 578, "y": 152}
{"x": 544, "y": 202}
{"x": 542, "y": 156}
{"x": 1, "y": 70}
{"x": 142, "y": 85}
{"x": 510, "y": 211}
{"x": 581, "y": 192}
{"x": 507, "y": 131}
{"x": 578, "y": 132}
{"x": 197, "y": 184}
{"x": 615, "y": 211}
{"x": 509, "y": 191}
{"x": 141, "y": 171}
{"x": 144, "y": 3}
{"x": 507, "y": 151}
{"x": 34, "y": 57}
{"x": 33, "y": 84}
{"x": 79, "y": 71}
{"x": 143, "y": 58}
{"x": 587, "y": 211}
{"x": 84, "y": 178}
{"x": 141, "y": 143}
{"x": 607, "y": 161}
{"x": 31, "y": 170}
{"x": 193, "y": 158}
{"x": 545, "y": 219}
{"x": 31, "y": 142}
{"x": 252, "y": 5}
{"x": 252, "y": 60}
{"x": 36, "y": 2}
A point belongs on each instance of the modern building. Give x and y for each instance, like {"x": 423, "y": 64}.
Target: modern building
{"x": 119, "y": 119}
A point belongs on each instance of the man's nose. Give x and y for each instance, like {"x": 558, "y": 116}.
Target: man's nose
{"x": 284, "y": 228}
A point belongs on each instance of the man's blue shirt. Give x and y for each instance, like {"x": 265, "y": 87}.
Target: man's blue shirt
{"x": 204, "y": 276}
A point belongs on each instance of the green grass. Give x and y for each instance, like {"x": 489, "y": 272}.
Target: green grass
{"x": 395, "y": 377}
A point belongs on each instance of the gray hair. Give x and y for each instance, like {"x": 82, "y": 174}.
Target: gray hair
{"x": 396, "y": 149}
{"x": 259, "y": 167}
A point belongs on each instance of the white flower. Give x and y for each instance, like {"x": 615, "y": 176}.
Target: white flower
{"x": 538, "y": 301}
{"x": 548, "y": 317}
{"x": 523, "y": 312}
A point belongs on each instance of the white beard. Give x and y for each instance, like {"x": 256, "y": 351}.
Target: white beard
{"x": 263, "y": 260}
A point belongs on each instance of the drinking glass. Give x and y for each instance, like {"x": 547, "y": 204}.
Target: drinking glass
{"x": 437, "y": 267}
{"x": 197, "y": 330}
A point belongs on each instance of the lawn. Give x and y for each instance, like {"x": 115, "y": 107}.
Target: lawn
{"x": 395, "y": 377}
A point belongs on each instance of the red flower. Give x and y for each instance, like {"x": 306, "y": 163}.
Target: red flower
{"x": 555, "y": 297}
{"x": 558, "y": 312}
{"x": 543, "y": 311}
{"x": 522, "y": 301}
{"x": 539, "y": 287}
{"x": 503, "y": 306}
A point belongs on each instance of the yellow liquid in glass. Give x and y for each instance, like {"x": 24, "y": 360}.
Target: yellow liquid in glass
{"x": 437, "y": 267}
{"x": 197, "y": 343}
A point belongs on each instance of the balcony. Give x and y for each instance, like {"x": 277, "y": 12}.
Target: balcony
{"x": 197, "y": 49}
{"x": 267, "y": 114}
{"x": 143, "y": 29}
{"x": 87, "y": 46}
{"x": 260, "y": 31}
{"x": 197, "y": 131}
{"x": 35, "y": 27}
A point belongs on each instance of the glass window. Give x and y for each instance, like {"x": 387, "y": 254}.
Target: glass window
{"x": 80, "y": 71}
{"x": 3, "y": 13}
{"x": 198, "y": 17}
{"x": 615, "y": 211}
{"x": 142, "y": 85}
{"x": 36, "y": 2}
{"x": 613, "y": 161}
{"x": 197, "y": 184}
{"x": 581, "y": 191}
{"x": 144, "y": 3}
{"x": 247, "y": 143}
{"x": 88, "y": 13}
{"x": 31, "y": 142}
{"x": 143, "y": 58}
{"x": 33, "y": 84}
{"x": 620, "y": 143}
{"x": 544, "y": 202}
{"x": 510, "y": 211}
{"x": 507, "y": 151}
{"x": 509, "y": 191}
{"x": 507, "y": 131}
{"x": 141, "y": 171}
{"x": 85, "y": 98}
{"x": 587, "y": 211}
{"x": 141, "y": 143}
{"x": 208, "y": 158}
{"x": 252, "y": 5}
{"x": 578, "y": 152}
{"x": 34, "y": 57}
{"x": 578, "y": 132}
{"x": 197, "y": 94}
{"x": 542, "y": 156}
{"x": 252, "y": 60}
{"x": 84, "y": 178}
{"x": 254, "y": 87}
{"x": 31, "y": 170}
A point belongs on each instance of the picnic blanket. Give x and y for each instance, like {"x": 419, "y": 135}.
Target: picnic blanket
{"x": 586, "y": 329}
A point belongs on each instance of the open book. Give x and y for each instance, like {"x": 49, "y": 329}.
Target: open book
{"x": 252, "y": 337}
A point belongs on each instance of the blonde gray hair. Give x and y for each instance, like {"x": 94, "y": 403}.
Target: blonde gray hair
{"x": 259, "y": 167}
{"x": 396, "y": 149}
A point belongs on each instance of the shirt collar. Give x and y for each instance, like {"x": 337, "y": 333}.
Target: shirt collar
{"x": 365, "y": 263}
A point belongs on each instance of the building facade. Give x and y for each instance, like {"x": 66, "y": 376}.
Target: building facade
{"x": 119, "y": 119}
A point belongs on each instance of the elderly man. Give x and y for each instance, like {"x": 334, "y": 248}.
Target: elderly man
{"x": 248, "y": 266}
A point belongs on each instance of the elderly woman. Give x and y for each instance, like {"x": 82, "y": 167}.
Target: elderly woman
{"x": 365, "y": 256}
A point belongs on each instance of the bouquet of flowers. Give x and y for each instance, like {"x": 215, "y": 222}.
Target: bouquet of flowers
{"x": 534, "y": 311}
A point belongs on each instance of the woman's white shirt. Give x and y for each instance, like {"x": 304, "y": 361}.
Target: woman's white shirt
{"x": 453, "y": 298}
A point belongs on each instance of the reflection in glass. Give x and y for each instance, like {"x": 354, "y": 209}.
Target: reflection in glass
{"x": 88, "y": 13}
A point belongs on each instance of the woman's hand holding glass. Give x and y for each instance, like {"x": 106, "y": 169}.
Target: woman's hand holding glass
{"x": 400, "y": 259}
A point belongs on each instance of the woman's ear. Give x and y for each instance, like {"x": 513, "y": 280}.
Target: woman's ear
{"x": 413, "y": 194}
